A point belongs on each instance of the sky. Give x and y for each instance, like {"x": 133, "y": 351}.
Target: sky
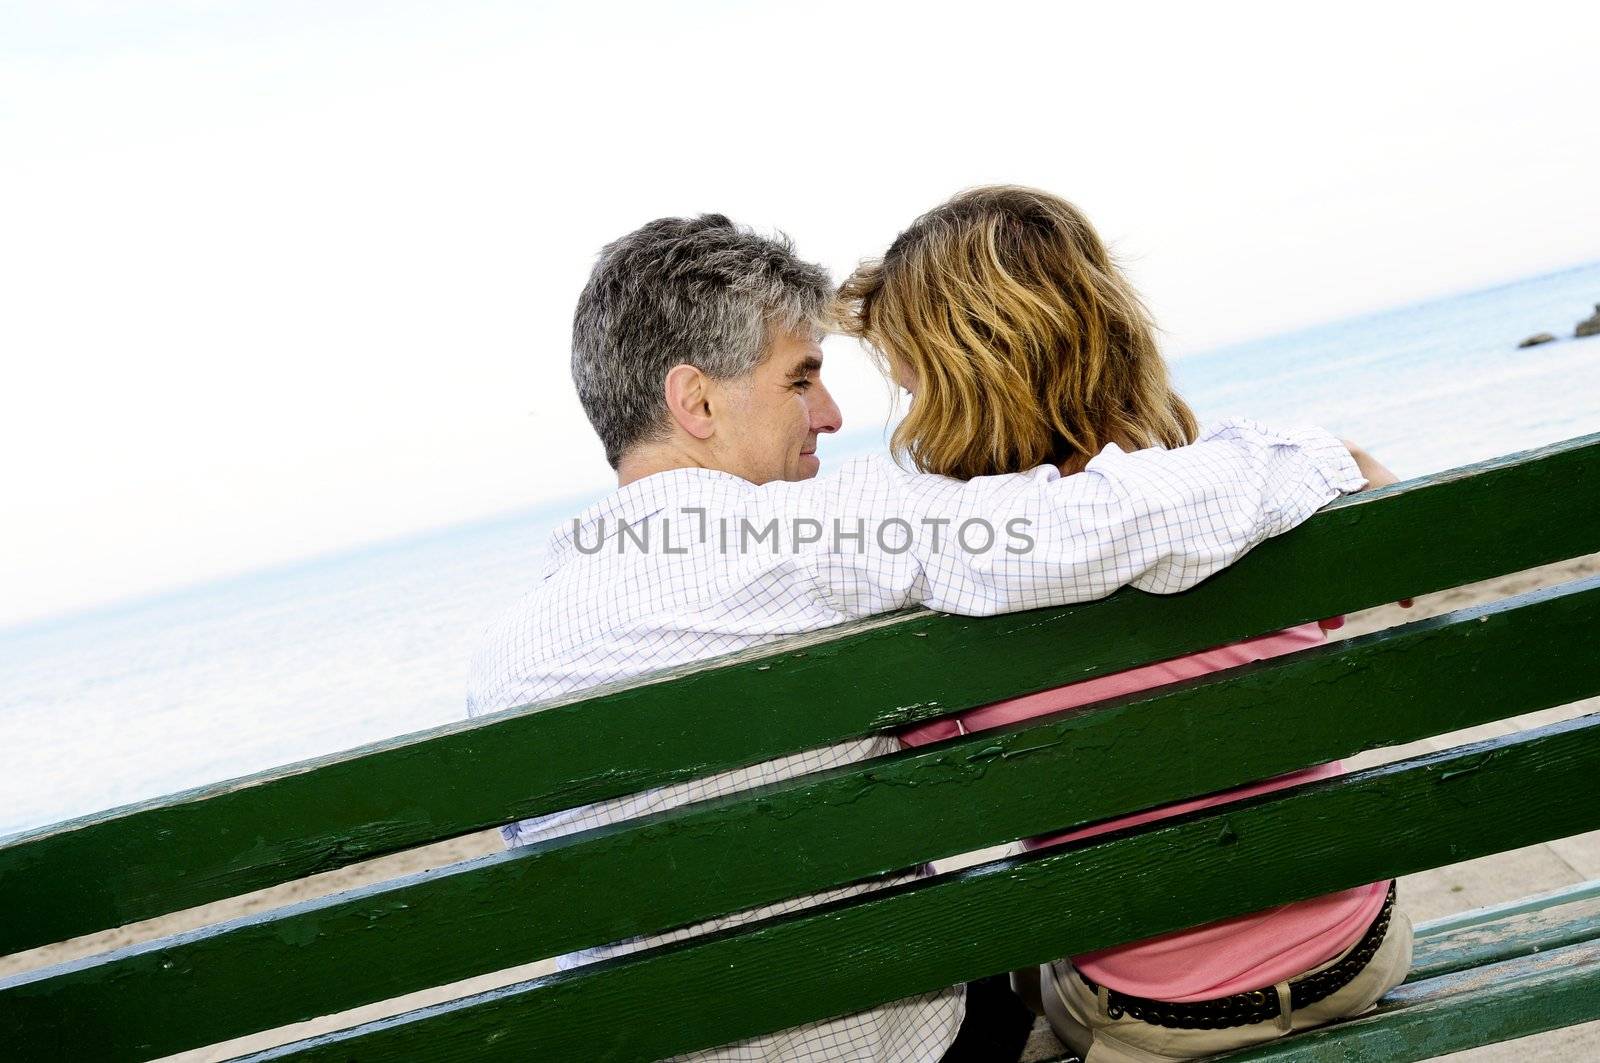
{"x": 278, "y": 278}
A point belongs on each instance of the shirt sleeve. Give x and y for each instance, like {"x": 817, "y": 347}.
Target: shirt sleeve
{"x": 1159, "y": 520}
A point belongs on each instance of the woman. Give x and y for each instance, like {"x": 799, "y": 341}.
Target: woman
{"x": 1022, "y": 345}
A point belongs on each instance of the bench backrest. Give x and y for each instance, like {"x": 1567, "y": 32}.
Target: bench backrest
{"x": 823, "y": 830}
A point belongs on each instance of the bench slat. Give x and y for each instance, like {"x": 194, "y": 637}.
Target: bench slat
{"x": 1392, "y": 820}
{"x": 146, "y": 860}
{"x": 1581, "y": 891}
{"x": 1460, "y": 947}
{"x": 819, "y": 831}
{"x": 1455, "y": 1012}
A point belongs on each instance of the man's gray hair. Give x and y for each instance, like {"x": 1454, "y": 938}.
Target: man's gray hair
{"x": 701, "y": 291}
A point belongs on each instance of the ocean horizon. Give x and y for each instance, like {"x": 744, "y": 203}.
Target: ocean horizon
{"x": 132, "y": 700}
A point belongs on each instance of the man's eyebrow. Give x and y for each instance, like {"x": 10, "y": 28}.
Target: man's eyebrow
{"x": 809, "y": 364}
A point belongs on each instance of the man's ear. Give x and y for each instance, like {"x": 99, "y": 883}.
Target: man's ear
{"x": 688, "y": 394}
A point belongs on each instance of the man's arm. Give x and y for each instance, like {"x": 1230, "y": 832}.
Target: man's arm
{"x": 1158, "y": 520}
{"x": 1375, "y": 472}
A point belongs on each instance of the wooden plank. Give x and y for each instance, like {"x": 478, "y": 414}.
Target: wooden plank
{"x": 145, "y": 860}
{"x": 819, "y": 831}
{"x": 1537, "y": 902}
{"x": 1507, "y": 937}
{"x": 896, "y": 943}
{"x": 1455, "y": 1012}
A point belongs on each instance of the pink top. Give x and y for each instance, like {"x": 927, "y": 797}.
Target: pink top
{"x": 1230, "y": 956}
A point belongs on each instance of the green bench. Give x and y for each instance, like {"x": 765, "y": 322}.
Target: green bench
{"x": 1480, "y": 978}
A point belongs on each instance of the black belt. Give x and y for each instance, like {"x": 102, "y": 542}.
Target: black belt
{"x": 1260, "y": 1005}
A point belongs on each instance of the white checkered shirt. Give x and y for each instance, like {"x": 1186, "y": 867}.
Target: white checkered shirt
{"x": 679, "y": 567}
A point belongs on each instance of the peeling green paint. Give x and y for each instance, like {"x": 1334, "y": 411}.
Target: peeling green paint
{"x": 834, "y": 827}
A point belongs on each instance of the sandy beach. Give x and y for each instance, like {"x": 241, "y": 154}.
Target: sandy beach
{"x": 1429, "y": 895}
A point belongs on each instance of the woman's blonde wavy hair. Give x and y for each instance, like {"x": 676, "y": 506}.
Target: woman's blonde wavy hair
{"x": 1027, "y": 344}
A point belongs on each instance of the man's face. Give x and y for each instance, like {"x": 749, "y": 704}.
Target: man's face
{"x": 769, "y": 421}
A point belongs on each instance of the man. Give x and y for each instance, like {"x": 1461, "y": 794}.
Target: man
{"x": 696, "y": 356}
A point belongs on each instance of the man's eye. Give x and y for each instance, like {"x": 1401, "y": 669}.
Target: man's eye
{"x": 801, "y": 385}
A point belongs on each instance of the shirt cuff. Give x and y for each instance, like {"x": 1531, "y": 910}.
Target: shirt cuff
{"x": 1323, "y": 451}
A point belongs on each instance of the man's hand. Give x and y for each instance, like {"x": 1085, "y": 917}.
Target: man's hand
{"x": 1377, "y": 475}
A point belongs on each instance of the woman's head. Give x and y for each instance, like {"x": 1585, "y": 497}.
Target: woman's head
{"x": 1022, "y": 342}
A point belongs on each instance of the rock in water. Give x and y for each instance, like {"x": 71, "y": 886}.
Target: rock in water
{"x": 1536, "y": 339}
{"x": 1589, "y": 326}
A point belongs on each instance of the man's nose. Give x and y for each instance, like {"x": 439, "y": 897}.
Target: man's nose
{"x": 825, "y": 415}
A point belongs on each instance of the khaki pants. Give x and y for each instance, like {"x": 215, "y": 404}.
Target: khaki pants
{"x": 1079, "y": 1017}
